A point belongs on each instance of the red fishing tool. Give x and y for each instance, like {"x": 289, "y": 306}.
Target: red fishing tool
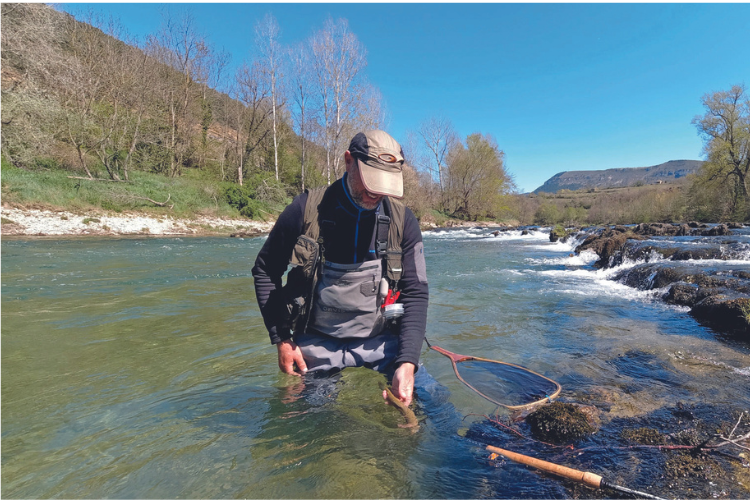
{"x": 390, "y": 298}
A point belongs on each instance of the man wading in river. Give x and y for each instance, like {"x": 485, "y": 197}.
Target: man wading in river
{"x": 356, "y": 294}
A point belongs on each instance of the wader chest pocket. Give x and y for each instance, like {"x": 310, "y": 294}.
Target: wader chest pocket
{"x": 345, "y": 304}
{"x": 293, "y": 310}
{"x": 305, "y": 254}
{"x": 369, "y": 289}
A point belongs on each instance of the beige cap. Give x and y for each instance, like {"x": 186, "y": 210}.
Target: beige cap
{"x": 380, "y": 161}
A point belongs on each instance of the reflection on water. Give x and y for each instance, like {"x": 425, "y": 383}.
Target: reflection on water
{"x": 141, "y": 368}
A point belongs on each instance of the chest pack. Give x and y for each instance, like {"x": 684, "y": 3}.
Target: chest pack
{"x": 308, "y": 255}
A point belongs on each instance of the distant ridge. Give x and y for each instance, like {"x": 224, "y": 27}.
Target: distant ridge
{"x": 620, "y": 177}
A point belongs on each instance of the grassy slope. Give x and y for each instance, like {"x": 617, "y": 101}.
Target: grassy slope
{"x": 54, "y": 189}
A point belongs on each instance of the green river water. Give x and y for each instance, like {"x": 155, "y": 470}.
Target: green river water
{"x": 140, "y": 368}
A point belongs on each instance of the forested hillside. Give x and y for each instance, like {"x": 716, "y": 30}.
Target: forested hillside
{"x": 92, "y": 118}
{"x": 79, "y": 99}
{"x": 83, "y": 98}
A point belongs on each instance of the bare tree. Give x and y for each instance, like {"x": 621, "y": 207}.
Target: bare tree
{"x": 366, "y": 110}
{"x": 81, "y": 86}
{"x": 253, "y": 91}
{"x": 267, "y": 39}
{"x": 300, "y": 85}
{"x": 338, "y": 59}
{"x": 96, "y": 90}
{"x": 180, "y": 47}
{"x": 439, "y": 138}
{"x": 236, "y": 114}
{"x": 209, "y": 72}
{"x": 119, "y": 121}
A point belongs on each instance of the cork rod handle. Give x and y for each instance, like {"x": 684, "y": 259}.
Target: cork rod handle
{"x": 588, "y": 478}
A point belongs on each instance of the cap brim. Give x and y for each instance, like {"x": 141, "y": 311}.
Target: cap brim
{"x": 379, "y": 181}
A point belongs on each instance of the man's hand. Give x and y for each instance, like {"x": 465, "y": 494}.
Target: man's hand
{"x": 289, "y": 356}
{"x": 403, "y": 383}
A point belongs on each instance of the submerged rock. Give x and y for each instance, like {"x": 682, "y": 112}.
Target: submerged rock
{"x": 644, "y": 435}
{"x": 646, "y": 451}
{"x": 560, "y": 423}
{"x": 693, "y": 465}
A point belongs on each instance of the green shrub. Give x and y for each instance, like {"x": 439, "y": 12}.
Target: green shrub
{"x": 558, "y": 232}
{"x": 252, "y": 210}
{"x": 238, "y": 196}
{"x": 547, "y": 214}
{"x": 242, "y": 198}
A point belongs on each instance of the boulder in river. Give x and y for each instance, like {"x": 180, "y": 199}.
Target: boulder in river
{"x": 560, "y": 423}
{"x": 665, "y": 258}
{"x": 724, "y": 313}
{"x": 608, "y": 244}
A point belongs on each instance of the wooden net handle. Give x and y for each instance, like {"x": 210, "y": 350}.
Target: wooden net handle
{"x": 456, "y": 358}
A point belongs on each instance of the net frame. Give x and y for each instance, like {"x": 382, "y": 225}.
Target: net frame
{"x": 458, "y": 358}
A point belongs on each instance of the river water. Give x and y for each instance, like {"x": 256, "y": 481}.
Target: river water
{"x": 140, "y": 368}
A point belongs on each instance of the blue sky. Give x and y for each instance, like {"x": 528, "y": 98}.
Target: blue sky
{"x": 559, "y": 86}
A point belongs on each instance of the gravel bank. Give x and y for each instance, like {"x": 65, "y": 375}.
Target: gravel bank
{"x": 30, "y": 222}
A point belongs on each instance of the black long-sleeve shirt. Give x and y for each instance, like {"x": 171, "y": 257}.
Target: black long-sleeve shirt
{"x": 351, "y": 240}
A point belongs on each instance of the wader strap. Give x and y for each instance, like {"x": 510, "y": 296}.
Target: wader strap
{"x": 381, "y": 238}
{"x": 310, "y": 225}
{"x": 397, "y": 212}
{"x": 389, "y": 231}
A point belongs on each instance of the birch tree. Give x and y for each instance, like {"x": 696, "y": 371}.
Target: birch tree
{"x": 338, "y": 60}
{"x": 300, "y": 88}
{"x": 267, "y": 34}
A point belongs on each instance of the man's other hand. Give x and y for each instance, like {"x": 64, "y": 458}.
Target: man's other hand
{"x": 403, "y": 383}
{"x": 290, "y": 357}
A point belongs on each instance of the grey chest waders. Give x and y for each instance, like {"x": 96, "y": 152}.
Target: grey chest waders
{"x": 336, "y": 309}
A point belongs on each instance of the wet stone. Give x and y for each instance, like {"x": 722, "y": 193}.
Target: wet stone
{"x": 692, "y": 465}
{"x": 644, "y": 435}
{"x": 560, "y": 423}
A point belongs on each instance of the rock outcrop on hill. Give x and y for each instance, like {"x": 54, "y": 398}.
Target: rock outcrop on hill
{"x": 620, "y": 177}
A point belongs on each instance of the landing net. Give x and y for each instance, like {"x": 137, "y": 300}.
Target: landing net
{"x": 505, "y": 384}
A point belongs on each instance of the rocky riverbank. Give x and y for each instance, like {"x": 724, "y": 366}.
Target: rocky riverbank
{"x": 19, "y": 221}
{"x": 703, "y": 267}
{"x": 32, "y": 222}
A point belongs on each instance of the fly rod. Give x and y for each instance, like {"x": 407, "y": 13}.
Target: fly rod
{"x": 587, "y": 478}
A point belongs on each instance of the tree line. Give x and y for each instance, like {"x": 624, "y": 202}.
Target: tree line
{"x": 86, "y": 97}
